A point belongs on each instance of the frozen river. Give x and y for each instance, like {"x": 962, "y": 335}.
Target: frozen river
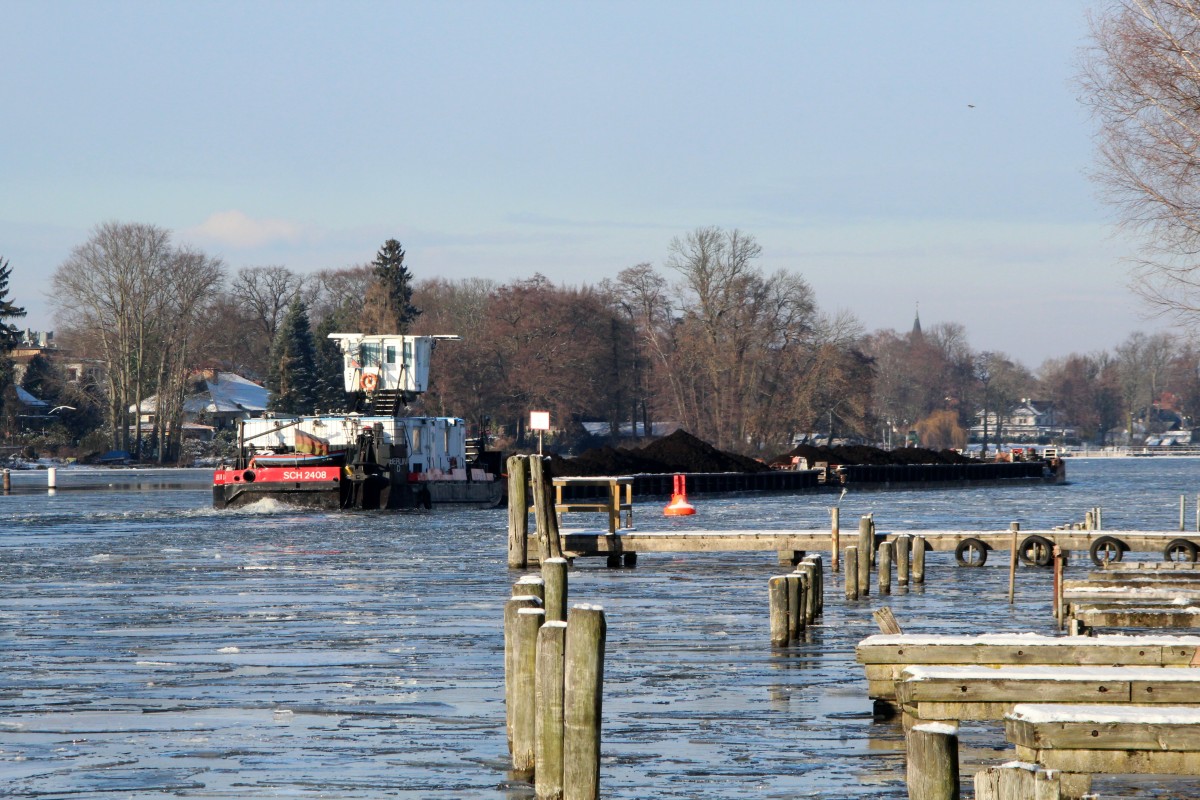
{"x": 153, "y": 648}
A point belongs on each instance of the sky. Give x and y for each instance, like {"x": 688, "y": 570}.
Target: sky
{"x": 893, "y": 153}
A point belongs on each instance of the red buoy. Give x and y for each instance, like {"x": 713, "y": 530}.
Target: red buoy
{"x": 679, "y": 506}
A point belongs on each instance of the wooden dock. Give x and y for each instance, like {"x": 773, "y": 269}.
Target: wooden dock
{"x": 971, "y": 547}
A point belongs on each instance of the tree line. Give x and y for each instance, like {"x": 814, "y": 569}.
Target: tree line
{"x": 710, "y": 342}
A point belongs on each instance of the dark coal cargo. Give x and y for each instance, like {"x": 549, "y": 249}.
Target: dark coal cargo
{"x": 683, "y": 452}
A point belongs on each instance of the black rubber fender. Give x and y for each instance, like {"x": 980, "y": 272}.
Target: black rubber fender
{"x": 1107, "y": 550}
{"x": 971, "y": 553}
{"x": 1036, "y": 551}
{"x": 1180, "y": 550}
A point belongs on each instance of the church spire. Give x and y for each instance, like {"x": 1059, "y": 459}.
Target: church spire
{"x": 916, "y": 331}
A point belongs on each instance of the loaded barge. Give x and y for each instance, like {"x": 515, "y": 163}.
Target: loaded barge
{"x": 380, "y": 459}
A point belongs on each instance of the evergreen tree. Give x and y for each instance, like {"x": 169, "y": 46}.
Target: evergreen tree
{"x": 394, "y": 311}
{"x": 331, "y": 388}
{"x": 10, "y": 335}
{"x": 291, "y": 375}
{"x": 42, "y": 380}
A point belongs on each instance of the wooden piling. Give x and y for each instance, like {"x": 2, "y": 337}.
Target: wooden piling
{"x": 933, "y": 762}
{"x": 778, "y": 604}
{"x": 795, "y": 605}
{"x": 583, "y": 702}
{"x": 886, "y": 621}
{"x": 8, "y": 482}
{"x": 530, "y": 585}
{"x": 866, "y": 544}
{"x": 549, "y": 545}
{"x": 1014, "y": 527}
{"x": 554, "y": 573}
{"x": 1182, "y": 511}
{"x": 524, "y": 688}
{"x": 818, "y": 564}
{"x": 518, "y": 512}
{"x": 851, "y": 573}
{"x": 1058, "y": 585}
{"x": 835, "y": 532}
{"x": 884, "y": 559}
{"x": 511, "y": 608}
{"x": 903, "y": 547}
{"x": 548, "y": 729}
{"x": 918, "y": 559}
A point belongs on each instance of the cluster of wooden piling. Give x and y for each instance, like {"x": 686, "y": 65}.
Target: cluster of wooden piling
{"x": 908, "y": 553}
{"x": 933, "y": 772}
{"x": 529, "y": 484}
{"x": 796, "y": 600}
{"x": 553, "y": 685}
{"x": 1093, "y": 520}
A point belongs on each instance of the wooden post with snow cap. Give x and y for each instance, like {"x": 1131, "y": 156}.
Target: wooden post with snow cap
{"x": 548, "y": 730}
{"x": 918, "y": 560}
{"x": 583, "y": 702}
{"x": 818, "y": 575}
{"x": 518, "y": 512}
{"x": 554, "y": 574}
{"x": 866, "y": 543}
{"x": 885, "y": 567}
{"x": 511, "y": 608}
{"x": 530, "y": 585}
{"x": 933, "y": 762}
{"x": 835, "y": 535}
{"x": 524, "y": 688}
{"x": 851, "y": 573}
{"x": 903, "y": 547}
{"x": 777, "y": 600}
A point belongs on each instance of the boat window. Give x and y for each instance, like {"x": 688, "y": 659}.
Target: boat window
{"x": 446, "y": 440}
{"x": 371, "y": 354}
{"x": 391, "y": 354}
{"x": 408, "y": 353}
{"x": 416, "y": 440}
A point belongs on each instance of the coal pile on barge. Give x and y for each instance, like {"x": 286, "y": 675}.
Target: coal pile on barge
{"x": 678, "y": 452}
{"x": 862, "y": 454}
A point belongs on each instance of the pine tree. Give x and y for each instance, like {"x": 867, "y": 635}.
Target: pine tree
{"x": 10, "y": 335}
{"x": 331, "y": 388}
{"x": 291, "y": 376}
{"x": 395, "y": 282}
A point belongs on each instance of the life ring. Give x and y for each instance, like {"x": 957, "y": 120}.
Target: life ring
{"x": 369, "y": 382}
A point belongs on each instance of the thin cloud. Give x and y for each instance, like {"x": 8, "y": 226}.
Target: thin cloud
{"x": 236, "y": 229}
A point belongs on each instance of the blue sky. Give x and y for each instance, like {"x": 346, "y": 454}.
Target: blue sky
{"x": 577, "y": 139}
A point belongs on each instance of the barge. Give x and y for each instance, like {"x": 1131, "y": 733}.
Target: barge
{"x": 380, "y": 459}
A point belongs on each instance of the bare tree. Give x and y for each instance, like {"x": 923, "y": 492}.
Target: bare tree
{"x": 1140, "y": 78}
{"x": 120, "y": 290}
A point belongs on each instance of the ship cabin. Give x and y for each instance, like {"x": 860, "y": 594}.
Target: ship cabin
{"x": 386, "y": 363}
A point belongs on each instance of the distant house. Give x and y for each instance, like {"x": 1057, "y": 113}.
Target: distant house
{"x": 1028, "y": 420}
{"x": 223, "y": 398}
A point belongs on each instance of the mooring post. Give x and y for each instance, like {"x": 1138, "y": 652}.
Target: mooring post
{"x": 903, "y": 548}
{"x": 795, "y": 601}
{"x": 1013, "y": 527}
{"x": 1058, "y": 576}
{"x": 583, "y": 702}
{"x": 818, "y": 565}
{"x": 866, "y": 536}
{"x": 933, "y": 762}
{"x": 548, "y": 730}
{"x": 852, "y": 573}
{"x": 918, "y": 559}
{"x": 518, "y": 512}
{"x": 511, "y": 608}
{"x": 530, "y": 585}
{"x": 524, "y": 690}
{"x": 554, "y": 574}
{"x": 885, "y": 567}
{"x": 52, "y": 479}
{"x": 778, "y": 604}
{"x": 8, "y": 483}
{"x": 835, "y": 533}
{"x": 1182, "y": 500}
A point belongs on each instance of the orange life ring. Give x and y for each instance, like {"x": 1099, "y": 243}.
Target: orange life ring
{"x": 369, "y": 382}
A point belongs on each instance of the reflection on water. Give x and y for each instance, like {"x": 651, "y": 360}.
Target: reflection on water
{"x": 154, "y": 648}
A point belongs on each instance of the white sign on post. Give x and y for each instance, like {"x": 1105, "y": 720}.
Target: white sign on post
{"x": 539, "y": 421}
